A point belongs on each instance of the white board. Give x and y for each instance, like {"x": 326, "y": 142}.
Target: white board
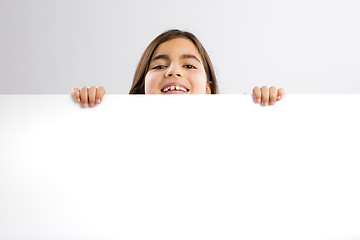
{"x": 180, "y": 167}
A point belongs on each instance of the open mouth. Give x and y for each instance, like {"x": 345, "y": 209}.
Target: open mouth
{"x": 175, "y": 90}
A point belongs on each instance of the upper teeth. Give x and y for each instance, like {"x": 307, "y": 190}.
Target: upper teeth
{"x": 174, "y": 87}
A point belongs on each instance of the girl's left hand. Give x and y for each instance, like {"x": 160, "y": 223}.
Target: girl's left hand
{"x": 266, "y": 95}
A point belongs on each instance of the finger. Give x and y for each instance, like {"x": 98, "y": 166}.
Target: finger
{"x": 265, "y": 95}
{"x": 272, "y": 95}
{"x": 281, "y": 94}
{"x": 100, "y": 94}
{"x": 75, "y": 92}
{"x": 257, "y": 94}
{"x": 84, "y": 96}
{"x": 92, "y": 94}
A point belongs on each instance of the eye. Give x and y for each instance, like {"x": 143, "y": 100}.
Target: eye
{"x": 159, "y": 67}
{"x": 190, "y": 66}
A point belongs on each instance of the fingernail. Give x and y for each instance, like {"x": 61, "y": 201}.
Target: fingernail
{"x": 85, "y": 104}
{"x": 78, "y": 99}
{"x": 258, "y": 100}
{"x": 272, "y": 102}
{"x": 98, "y": 101}
{"x": 264, "y": 103}
{"x": 278, "y": 97}
{"x": 91, "y": 104}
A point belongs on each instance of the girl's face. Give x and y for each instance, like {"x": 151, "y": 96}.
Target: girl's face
{"x": 176, "y": 68}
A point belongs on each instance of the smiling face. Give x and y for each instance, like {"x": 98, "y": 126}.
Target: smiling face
{"x": 176, "y": 67}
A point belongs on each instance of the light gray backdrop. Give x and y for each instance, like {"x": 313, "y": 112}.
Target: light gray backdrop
{"x": 307, "y": 46}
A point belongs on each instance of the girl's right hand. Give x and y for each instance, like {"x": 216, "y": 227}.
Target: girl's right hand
{"x": 88, "y": 96}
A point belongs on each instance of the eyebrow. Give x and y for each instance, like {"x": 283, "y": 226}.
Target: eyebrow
{"x": 166, "y": 57}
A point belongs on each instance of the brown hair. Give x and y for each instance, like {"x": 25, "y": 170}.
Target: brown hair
{"x": 138, "y": 85}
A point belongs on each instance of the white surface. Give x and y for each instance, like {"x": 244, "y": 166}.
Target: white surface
{"x": 303, "y": 46}
{"x": 194, "y": 167}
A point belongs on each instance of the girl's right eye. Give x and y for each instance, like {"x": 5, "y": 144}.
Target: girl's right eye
{"x": 159, "y": 67}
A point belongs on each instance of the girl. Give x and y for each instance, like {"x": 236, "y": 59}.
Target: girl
{"x": 175, "y": 62}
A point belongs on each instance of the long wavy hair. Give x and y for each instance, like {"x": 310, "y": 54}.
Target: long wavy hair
{"x": 138, "y": 84}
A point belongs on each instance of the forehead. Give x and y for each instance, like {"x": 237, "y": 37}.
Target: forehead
{"x": 177, "y": 46}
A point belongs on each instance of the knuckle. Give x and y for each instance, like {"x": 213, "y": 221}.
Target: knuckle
{"x": 273, "y": 88}
{"x": 265, "y": 93}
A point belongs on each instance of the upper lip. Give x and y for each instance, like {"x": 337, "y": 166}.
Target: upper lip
{"x": 174, "y": 84}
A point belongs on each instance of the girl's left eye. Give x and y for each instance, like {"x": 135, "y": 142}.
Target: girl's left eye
{"x": 159, "y": 67}
{"x": 190, "y": 66}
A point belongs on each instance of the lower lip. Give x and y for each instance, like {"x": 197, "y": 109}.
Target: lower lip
{"x": 176, "y": 92}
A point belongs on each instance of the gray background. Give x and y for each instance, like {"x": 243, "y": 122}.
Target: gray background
{"x": 308, "y": 46}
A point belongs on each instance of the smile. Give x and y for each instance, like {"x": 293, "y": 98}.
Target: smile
{"x": 174, "y": 88}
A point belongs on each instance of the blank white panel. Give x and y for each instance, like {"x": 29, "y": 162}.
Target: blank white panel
{"x": 176, "y": 167}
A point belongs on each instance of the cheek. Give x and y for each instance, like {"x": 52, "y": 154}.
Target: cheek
{"x": 152, "y": 81}
{"x": 198, "y": 80}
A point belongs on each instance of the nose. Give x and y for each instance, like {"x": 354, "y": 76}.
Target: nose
{"x": 173, "y": 71}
